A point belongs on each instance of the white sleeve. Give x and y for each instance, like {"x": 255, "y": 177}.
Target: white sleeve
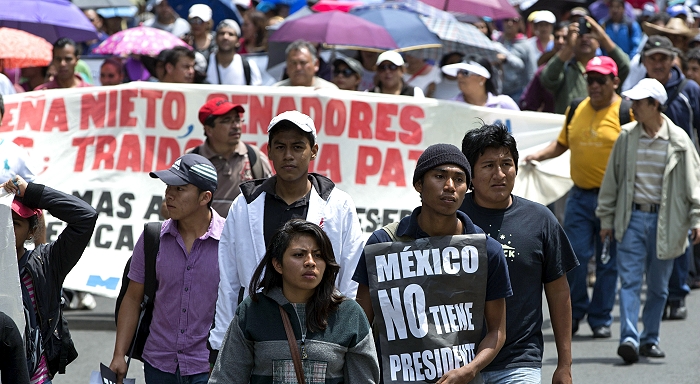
{"x": 229, "y": 282}
{"x": 255, "y": 76}
{"x": 418, "y": 93}
{"x": 352, "y": 246}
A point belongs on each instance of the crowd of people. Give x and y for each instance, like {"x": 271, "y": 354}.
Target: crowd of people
{"x": 261, "y": 266}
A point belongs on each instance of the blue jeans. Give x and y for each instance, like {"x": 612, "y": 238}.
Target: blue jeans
{"x": 678, "y": 284}
{"x": 636, "y": 254}
{"x": 526, "y": 375}
{"x": 582, "y": 228}
{"x": 155, "y": 376}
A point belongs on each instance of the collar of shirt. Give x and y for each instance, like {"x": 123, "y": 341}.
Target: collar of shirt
{"x": 270, "y": 184}
{"x": 412, "y": 229}
{"x": 216, "y": 226}
{"x": 663, "y": 132}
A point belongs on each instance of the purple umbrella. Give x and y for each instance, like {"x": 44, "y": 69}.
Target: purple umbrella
{"x": 337, "y": 29}
{"x": 50, "y": 19}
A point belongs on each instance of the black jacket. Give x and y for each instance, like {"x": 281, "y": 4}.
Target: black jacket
{"x": 49, "y": 264}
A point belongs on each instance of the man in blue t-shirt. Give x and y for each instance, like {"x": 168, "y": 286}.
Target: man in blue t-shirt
{"x": 441, "y": 178}
{"x": 538, "y": 254}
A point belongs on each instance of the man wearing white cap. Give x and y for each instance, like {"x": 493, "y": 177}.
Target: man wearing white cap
{"x": 265, "y": 205}
{"x": 200, "y": 36}
{"x": 649, "y": 199}
{"x": 167, "y": 19}
{"x": 389, "y": 78}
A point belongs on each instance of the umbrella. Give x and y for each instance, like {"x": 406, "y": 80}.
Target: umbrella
{"x": 140, "y": 41}
{"x": 221, "y": 9}
{"x": 94, "y": 4}
{"x": 460, "y": 37}
{"x": 414, "y": 6}
{"x": 50, "y": 19}
{"x": 405, "y": 27}
{"x": 336, "y": 28}
{"x": 495, "y": 9}
{"x": 334, "y": 5}
{"x": 19, "y": 49}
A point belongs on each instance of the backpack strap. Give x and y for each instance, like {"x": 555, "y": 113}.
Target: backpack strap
{"x": 391, "y": 230}
{"x": 256, "y": 167}
{"x": 572, "y": 109}
{"x": 246, "y": 70}
{"x": 151, "y": 243}
{"x": 195, "y": 150}
{"x": 675, "y": 92}
{"x": 624, "y": 114}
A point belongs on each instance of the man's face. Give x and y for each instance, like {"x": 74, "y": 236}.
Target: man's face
{"x": 184, "y": 200}
{"x": 182, "y": 72}
{"x": 389, "y": 74}
{"x": 586, "y": 45}
{"x": 493, "y": 178}
{"x": 301, "y": 67}
{"x": 226, "y": 129}
{"x": 644, "y": 111}
{"x": 617, "y": 11}
{"x": 442, "y": 189}
{"x": 600, "y": 88}
{"x": 659, "y": 66}
{"x": 560, "y": 38}
{"x": 693, "y": 71}
{"x": 511, "y": 26}
{"x": 110, "y": 75}
{"x": 543, "y": 29}
{"x": 345, "y": 78}
{"x": 291, "y": 153}
{"x": 163, "y": 10}
{"x": 22, "y": 232}
{"x": 65, "y": 60}
{"x": 226, "y": 39}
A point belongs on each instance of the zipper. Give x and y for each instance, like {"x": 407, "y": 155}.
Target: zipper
{"x": 304, "y": 355}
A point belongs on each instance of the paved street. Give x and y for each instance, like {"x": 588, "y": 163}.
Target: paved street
{"x": 595, "y": 361}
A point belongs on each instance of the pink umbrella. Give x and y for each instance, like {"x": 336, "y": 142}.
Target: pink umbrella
{"x": 335, "y": 5}
{"x": 140, "y": 41}
{"x": 495, "y": 9}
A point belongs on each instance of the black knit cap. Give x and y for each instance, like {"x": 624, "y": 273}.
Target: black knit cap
{"x": 439, "y": 154}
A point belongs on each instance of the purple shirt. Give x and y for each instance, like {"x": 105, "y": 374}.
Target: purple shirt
{"x": 494, "y": 101}
{"x": 185, "y": 299}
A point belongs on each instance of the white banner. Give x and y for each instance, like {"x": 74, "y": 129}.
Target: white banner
{"x": 100, "y": 143}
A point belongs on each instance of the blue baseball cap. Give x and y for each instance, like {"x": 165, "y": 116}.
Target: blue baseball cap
{"x": 190, "y": 169}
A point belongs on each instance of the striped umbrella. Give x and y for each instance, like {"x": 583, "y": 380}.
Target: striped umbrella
{"x": 460, "y": 37}
{"x": 414, "y": 6}
{"x": 19, "y": 49}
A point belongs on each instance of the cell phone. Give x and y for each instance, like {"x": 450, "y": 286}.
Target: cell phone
{"x": 583, "y": 26}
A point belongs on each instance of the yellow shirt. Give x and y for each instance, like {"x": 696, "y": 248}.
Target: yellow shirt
{"x": 590, "y": 137}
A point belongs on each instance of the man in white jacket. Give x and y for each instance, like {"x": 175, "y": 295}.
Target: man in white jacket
{"x": 265, "y": 205}
{"x": 649, "y": 199}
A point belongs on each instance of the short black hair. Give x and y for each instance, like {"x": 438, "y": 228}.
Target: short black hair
{"x": 561, "y": 25}
{"x": 476, "y": 141}
{"x": 63, "y": 41}
{"x": 174, "y": 55}
{"x": 693, "y": 54}
{"x": 286, "y": 125}
{"x": 445, "y": 57}
{"x": 2, "y": 107}
{"x": 652, "y": 100}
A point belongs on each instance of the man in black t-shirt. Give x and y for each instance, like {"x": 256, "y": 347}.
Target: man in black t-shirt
{"x": 538, "y": 254}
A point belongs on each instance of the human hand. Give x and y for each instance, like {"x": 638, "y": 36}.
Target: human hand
{"x": 118, "y": 366}
{"x": 464, "y": 374}
{"x": 531, "y": 158}
{"x": 562, "y": 375}
{"x": 597, "y": 31}
{"x": 605, "y": 233}
{"x": 16, "y": 185}
{"x": 695, "y": 235}
{"x": 501, "y": 57}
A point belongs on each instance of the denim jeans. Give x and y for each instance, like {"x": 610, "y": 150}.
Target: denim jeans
{"x": 582, "y": 228}
{"x": 678, "y": 284}
{"x": 525, "y": 375}
{"x": 155, "y": 376}
{"x": 636, "y": 255}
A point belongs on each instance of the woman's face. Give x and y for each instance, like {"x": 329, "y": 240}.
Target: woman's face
{"x": 22, "y": 232}
{"x": 470, "y": 82}
{"x": 110, "y": 75}
{"x": 302, "y": 269}
{"x": 248, "y": 29}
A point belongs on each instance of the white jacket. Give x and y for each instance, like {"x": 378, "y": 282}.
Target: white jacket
{"x": 242, "y": 245}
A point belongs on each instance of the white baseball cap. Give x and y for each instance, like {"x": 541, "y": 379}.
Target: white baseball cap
{"x": 473, "y": 67}
{"x": 392, "y": 57}
{"x": 200, "y": 10}
{"x": 647, "y": 88}
{"x": 544, "y": 16}
{"x": 302, "y": 121}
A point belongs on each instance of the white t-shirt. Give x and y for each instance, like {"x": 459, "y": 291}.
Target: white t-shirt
{"x": 233, "y": 74}
{"x": 422, "y": 81}
{"x": 446, "y": 90}
{"x": 6, "y": 87}
{"x": 13, "y": 161}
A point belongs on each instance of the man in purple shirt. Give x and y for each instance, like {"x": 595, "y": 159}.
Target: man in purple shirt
{"x": 187, "y": 271}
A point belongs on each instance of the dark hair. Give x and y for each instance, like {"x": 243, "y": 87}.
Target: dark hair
{"x": 2, "y": 107}
{"x": 693, "y": 54}
{"x": 476, "y": 141}
{"x": 63, "y": 41}
{"x": 684, "y": 60}
{"x": 443, "y": 59}
{"x": 259, "y": 20}
{"x": 484, "y": 62}
{"x": 174, "y": 55}
{"x": 324, "y": 299}
{"x": 211, "y": 201}
{"x": 286, "y": 125}
{"x": 115, "y": 62}
{"x": 660, "y": 16}
{"x": 561, "y": 25}
{"x": 651, "y": 101}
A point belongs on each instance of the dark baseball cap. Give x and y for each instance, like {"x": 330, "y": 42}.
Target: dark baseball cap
{"x": 190, "y": 169}
{"x": 659, "y": 44}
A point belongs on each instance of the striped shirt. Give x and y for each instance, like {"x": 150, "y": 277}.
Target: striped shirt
{"x": 651, "y": 162}
{"x": 41, "y": 374}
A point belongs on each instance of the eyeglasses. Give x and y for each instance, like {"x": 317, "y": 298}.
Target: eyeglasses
{"x": 387, "y": 67}
{"x": 464, "y": 73}
{"x": 514, "y": 20}
{"x": 229, "y": 121}
{"x": 347, "y": 72}
{"x": 601, "y": 80}
{"x": 196, "y": 21}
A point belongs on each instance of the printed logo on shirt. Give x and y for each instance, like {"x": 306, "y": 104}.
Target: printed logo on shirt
{"x": 508, "y": 250}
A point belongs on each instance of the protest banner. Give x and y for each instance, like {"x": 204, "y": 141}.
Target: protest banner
{"x": 100, "y": 143}
{"x": 428, "y": 297}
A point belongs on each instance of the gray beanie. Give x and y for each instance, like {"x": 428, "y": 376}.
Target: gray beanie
{"x": 439, "y": 154}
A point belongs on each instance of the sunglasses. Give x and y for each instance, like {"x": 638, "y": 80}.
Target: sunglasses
{"x": 389, "y": 67}
{"x": 196, "y": 21}
{"x": 464, "y": 73}
{"x": 347, "y": 72}
{"x": 601, "y": 80}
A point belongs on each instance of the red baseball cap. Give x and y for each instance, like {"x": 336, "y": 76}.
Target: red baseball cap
{"x": 217, "y": 106}
{"x": 603, "y": 65}
{"x": 23, "y": 210}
